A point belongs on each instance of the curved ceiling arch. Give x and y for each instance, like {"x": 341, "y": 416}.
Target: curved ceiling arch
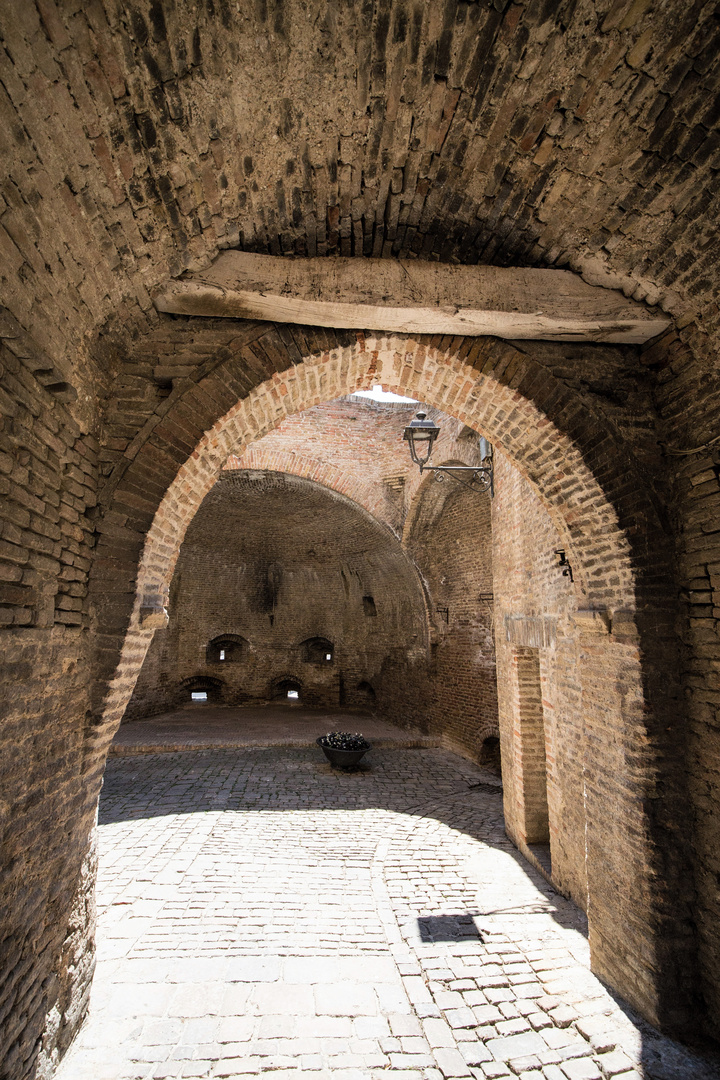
{"x": 511, "y": 421}
{"x": 326, "y": 474}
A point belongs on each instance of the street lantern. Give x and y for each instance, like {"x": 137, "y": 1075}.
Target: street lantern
{"x": 420, "y": 435}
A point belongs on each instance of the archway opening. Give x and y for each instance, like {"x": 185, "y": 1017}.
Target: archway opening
{"x": 287, "y": 690}
{"x": 201, "y": 690}
{"x": 589, "y": 516}
{"x": 317, "y": 650}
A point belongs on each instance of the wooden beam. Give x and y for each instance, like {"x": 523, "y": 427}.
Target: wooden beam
{"x": 411, "y": 298}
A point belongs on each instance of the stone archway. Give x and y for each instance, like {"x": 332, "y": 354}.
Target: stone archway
{"x": 607, "y": 523}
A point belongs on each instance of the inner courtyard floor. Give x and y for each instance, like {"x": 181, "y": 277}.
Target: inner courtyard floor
{"x": 261, "y": 912}
{"x": 206, "y": 727}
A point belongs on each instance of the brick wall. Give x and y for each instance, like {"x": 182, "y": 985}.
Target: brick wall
{"x": 361, "y": 441}
{"x": 279, "y": 561}
{"x": 448, "y": 534}
{"x": 48, "y": 482}
{"x": 689, "y": 404}
{"x": 539, "y": 681}
{"x": 592, "y": 700}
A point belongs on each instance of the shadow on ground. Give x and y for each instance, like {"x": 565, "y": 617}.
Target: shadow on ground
{"x": 466, "y": 798}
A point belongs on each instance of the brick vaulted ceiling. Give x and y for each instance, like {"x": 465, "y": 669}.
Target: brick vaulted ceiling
{"x": 139, "y": 139}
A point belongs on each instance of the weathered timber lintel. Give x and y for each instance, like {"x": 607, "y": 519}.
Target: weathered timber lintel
{"x": 413, "y": 298}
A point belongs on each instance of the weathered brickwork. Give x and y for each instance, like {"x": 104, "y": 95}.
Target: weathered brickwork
{"x": 448, "y": 534}
{"x": 355, "y": 446}
{"x": 46, "y": 919}
{"x": 515, "y": 133}
{"x": 588, "y": 663}
{"x": 540, "y": 683}
{"x": 48, "y": 482}
{"x": 136, "y": 143}
{"x": 689, "y": 404}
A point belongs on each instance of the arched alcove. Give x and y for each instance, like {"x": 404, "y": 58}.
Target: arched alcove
{"x": 317, "y": 650}
{"x": 287, "y": 689}
{"x": 201, "y": 690}
{"x": 227, "y": 649}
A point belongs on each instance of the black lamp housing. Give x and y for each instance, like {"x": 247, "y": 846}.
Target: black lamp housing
{"x": 421, "y": 434}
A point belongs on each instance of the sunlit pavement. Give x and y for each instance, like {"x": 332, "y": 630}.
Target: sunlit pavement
{"x": 262, "y": 912}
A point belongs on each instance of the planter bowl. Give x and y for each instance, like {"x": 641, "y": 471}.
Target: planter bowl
{"x": 342, "y": 759}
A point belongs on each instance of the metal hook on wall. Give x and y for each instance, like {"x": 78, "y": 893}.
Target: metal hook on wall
{"x": 563, "y": 562}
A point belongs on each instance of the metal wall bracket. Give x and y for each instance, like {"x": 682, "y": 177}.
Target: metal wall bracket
{"x": 480, "y": 477}
{"x": 563, "y": 562}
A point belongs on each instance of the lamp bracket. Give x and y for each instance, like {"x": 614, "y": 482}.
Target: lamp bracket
{"x": 564, "y": 563}
{"x": 480, "y": 477}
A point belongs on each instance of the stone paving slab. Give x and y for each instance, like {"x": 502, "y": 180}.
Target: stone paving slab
{"x": 210, "y": 727}
{"x": 261, "y": 913}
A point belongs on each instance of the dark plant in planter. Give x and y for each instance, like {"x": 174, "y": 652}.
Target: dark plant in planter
{"x": 343, "y": 749}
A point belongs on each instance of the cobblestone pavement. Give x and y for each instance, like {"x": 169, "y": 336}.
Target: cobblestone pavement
{"x": 261, "y": 912}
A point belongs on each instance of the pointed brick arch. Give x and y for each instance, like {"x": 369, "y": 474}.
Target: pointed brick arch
{"x": 604, "y": 512}
{"x": 516, "y": 424}
{"x": 539, "y": 423}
